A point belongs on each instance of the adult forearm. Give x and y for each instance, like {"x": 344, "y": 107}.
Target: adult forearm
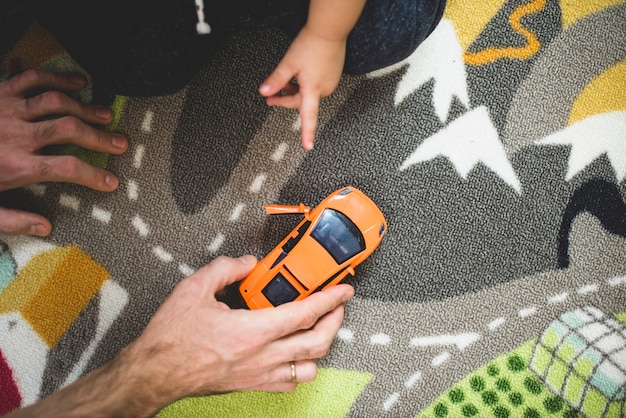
{"x": 117, "y": 389}
{"x": 333, "y": 19}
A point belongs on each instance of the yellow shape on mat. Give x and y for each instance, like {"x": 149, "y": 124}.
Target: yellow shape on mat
{"x": 574, "y": 10}
{"x": 606, "y": 93}
{"x": 53, "y": 289}
{"x": 471, "y": 17}
{"x": 29, "y": 279}
{"x": 331, "y": 394}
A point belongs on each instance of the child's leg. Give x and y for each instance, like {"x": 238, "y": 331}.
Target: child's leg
{"x": 388, "y": 31}
{"x": 131, "y": 47}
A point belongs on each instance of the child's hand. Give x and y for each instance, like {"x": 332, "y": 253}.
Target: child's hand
{"x": 316, "y": 63}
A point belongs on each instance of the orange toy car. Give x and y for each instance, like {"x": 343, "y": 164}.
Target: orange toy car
{"x": 332, "y": 239}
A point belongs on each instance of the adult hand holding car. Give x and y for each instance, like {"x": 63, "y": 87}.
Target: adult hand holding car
{"x": 195, "y": 345}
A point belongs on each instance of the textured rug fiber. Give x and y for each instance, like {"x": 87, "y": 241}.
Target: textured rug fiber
{"x": 497, "y": 152}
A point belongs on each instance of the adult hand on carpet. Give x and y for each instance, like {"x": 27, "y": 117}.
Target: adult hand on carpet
{"x": 27, "y": 100}
{"x": 195, "y": 345}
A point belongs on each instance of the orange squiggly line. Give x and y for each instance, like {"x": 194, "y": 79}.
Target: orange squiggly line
{"x": 532, "y": 42}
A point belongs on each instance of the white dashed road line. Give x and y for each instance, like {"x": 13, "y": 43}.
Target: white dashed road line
{"x": 496, "y": 323}
{"x": 380, "y": 339}
{"x": 69, "y": 202}
{"x": 216, "y": 243}
{"x": 133, "y": 190}
{"x": 526, "y": 312}
{"x": 560, "y": 298}
{"x": 140, "y": 226}
{"x": 162, "y": 255}
{"x": 146, "y": 125}
{"x": 237, "y": 211}
{"x": 413, "y": 380}
{"x": 590, "y": 288}
{"x": 138, "y": 157}
{"x": 101, "y": 215}
{"x": 257, "y": 183}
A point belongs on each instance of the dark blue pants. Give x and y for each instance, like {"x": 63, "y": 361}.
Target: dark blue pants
{"x": 144, "y": 48}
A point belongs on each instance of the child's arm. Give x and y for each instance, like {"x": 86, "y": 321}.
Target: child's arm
{"x": 315, "y": 58}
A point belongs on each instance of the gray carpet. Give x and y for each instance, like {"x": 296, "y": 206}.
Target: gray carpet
{"x": 498, "y": 156}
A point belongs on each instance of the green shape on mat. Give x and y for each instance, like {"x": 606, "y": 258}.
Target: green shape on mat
{"x": 621, "y": 317}
{"x": 331, "y": 394}
{"x": 8, "y": 266}
{"x": 118, "y": 108}
{"x": 513, "y": 391}
{"x": 97, "y": 159}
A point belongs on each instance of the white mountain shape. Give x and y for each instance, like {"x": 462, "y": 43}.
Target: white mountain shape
{"x": 467, "y": 141}
{"x": 439, "y": 57}
{"x": 591, "y": 138}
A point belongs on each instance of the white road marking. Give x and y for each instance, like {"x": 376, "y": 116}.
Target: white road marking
{"x": 101, "y": 215}
{"x": 345, "y": 334}
{"x": 590, "y": 288}
{"x": 36, "y": 189}
{"x": 140, "y": 226}
{"x": 257, "y": 183}
{"x": 380, "y": 339}
{"x": 462, "y": 341}
{"x": 69, "y": 202}
{"x": 146, "y": 125}
{"x": 237, "y": 211}
{"x": 391, "y": 400}
{"x": 496, "y": 323}
{"x": 185, "y": 269}
{"x": 297, "y": 124}
{"x": 140, "y": 151}
{"x": 616, "y": 281}
{"x": 162, "y": 255}
{"x": 523, "y": 313}
{"x": 441, "y": 359}
{"x": 279, "y": 153}
{"x": 133, "y": 190}
{"x": 413, "y": 379}
{"x": 216, "y": 243}
{"x": 560, "y": 298}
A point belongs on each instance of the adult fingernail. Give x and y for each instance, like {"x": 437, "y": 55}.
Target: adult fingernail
{"x": 76, "y": 79}
{"x": 110, "y": 181}
{"x": 38, "y": 229}
{"x": 247, "y": 259}
{"x": 118, "y": 141}
{"x": 103, "y": 113}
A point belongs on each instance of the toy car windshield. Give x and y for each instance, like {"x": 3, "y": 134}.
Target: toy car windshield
{"x": 338, "y": 235}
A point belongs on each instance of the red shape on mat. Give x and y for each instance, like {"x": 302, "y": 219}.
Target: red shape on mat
{"x": 10, "y": 398}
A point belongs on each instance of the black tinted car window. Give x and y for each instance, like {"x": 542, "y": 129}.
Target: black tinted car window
{"x": 279, "y": 290}
{"x": 338, "y": 235}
